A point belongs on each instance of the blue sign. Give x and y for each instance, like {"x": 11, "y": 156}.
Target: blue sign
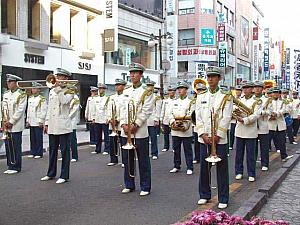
{"x": 266, "y": 54}
{"x": 207, "y": 36}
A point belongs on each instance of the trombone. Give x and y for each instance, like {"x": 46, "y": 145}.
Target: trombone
{"x": 129, "y": 146}
{"x": 52, "y": 81}
{"x": 11, "y": 154}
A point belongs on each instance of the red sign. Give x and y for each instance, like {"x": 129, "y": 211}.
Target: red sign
{"x": 197, "y": 51}
{"x": 221, "y": 32}
{"x": 255, "y": 33}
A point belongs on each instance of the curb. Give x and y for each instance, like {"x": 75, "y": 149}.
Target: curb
{"x": 27, "y": 152}
{"x": 254, "y": 204}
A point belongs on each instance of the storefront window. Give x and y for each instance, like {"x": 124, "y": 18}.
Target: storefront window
{"x": 130, "y": 50}
{"x": 243, "y": 70}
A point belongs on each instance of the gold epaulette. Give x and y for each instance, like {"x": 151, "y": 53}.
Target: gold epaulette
{"x": 146, "y": 93}
{"x": 21, "y": 96}
{"x": 107, "y": 100}
{"x": 157, "y": 98}
{"x": 69, "y": 91}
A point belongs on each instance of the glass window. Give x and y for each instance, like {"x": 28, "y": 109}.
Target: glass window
{"x": 33, "y": 23}
{"x": 231, "y": 19}
{"x": 230, "y": 41}
{"x": 226, "y": 13}
{"x": 130, "y": 50}
{"x": 8, "y": 16}
{"x": 219, "y": 7}
{"x": 54, "y": 32}
{"x": 183, "y": 66}
{"x": 186, "y": 7}
{"x": 186, "y": 37}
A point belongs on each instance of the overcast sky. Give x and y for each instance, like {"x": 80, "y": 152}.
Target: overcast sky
{"x": 283, "y": 18}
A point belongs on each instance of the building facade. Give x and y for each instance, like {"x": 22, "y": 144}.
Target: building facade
{"x": 37, "y": 36}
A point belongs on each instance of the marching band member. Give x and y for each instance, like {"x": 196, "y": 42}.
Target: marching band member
{"x": 213, "y": 106}
{"x": 75, "y": 118}
{"x": 200, "y": 89}
{"x": 238, "y": 94}
{"x": 181, "y": 128}
{"x": 142, "y": 101}
{"x": 13, "y": 118}
{"x": 116, "y": 101}
{"x": 153, "y": 122}
{"x": 246, "y": 133}
{"x": 295, "y": 113}
{"x": 164, "y": 118}
{"x": 288, "y": 120}
{"x": 101, "y": 120}
{"x": 36, "y": 114}
{"x": 277, "y": 125}
{"x": 90, "y": 114}
{"x": 263, "y": 128}
{"x": 58, "y": 127}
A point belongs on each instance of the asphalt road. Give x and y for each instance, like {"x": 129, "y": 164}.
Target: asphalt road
{"x": 93, "y": 194}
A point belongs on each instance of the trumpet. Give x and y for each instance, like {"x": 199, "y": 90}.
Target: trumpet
{"x": 27, "y": 84}
{"x": 213, "y": 157}
{"x": 7, "y": 135}
{"x": 129, "y": 145}
{"x": 52, "y": 81}
{"x": 114, "y": 133}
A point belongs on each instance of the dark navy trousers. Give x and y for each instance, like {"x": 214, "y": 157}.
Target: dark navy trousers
{"x": 279, "y": 139}
{"x": 36, "y": 141}
{"x": 289, "y": 131}
{"x": 167, "y": 131}
{"x": 92, "y": 128}
{"x": 232, "y": 137}
{"x": 115, "y": 148}
{"x": 249, "y": 144}
{"x": 142, "y": 151}
{"x": 102, "y": 128}
{"x": 73, "y": 145}
{"x": 13, "y": 148}
{"x": 222, "y": 173}
{"x": 295, "y": 127}
{"x": 153, "y": 138}
{"x": 62, "y": 141}
{"x": 188, "y": 151}
{"x": 264, "y": 145}
{"x": 196, "y": 147}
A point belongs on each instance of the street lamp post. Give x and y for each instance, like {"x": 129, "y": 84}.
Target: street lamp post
{"x": 151, "y": 44}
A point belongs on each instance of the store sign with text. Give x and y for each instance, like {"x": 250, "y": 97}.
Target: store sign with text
{"x": 221, "y": 32}
{"x": 197, "y": 54}
{"x": 32, "y": 58}
{"x": 201, "y": 69}
{"x": 266, "y": 54}
{"x": 222, "y": 54}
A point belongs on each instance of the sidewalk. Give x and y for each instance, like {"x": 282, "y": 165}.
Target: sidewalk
{"x": 83, "y": 137}
{"x": 284, "y": 203}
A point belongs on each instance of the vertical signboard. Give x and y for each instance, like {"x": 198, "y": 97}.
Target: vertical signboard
{"x": 255, "y": 53}
{"x": 266, "y": 54}
{"x": 297, "y": 69}
{"x": 221, "y": 32}
{"x": 172, "y": 28}
{"x": 222, "y": 54}
{"x": 287, "y": 69}
{"x": 111, "y": 26}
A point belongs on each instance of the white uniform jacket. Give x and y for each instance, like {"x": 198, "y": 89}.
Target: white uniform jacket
{"x": 295, "y": 108}
{"x": 249, "y": 129}
{"x": 101, "y": 104}
{"x": 180, "y": 108}
{"x": 220, "y": 103}
{"x": 36, "y": 110}
{"x": 154, "y": 117}
{"x": 115, "y": 99}
{"x": 75, "y": 112}
{"x": 144, "y": 102}
{"x": 263, "y": 126}
{"x": 90, "y": 109}
{"x": 280, "y": 108}
{"x": 58, "y": 118}
{"x": 15, "y": 103}
{"x": 165, "y": 110}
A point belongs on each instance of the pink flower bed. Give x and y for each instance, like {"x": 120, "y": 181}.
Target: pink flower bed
{"x": 210, "y": 217}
